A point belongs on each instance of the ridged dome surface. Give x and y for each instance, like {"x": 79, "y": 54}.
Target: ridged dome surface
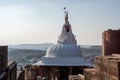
{"x": 64, "y": 50}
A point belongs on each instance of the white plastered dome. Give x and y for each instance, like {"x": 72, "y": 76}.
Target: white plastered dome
{"x": 64, "y": 50}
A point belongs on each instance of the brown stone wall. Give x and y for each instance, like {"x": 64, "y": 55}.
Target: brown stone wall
{"x": 90, "y": 74}
{"x": 101, "y": 67}
{"x": 111, "y": 42}
{"x": 3, "y": 58}
{"x": 114, "y": 67}
{"x": 107, "y": 67}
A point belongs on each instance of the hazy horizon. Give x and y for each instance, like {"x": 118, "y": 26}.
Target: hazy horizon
{"x": 41, "y": 21}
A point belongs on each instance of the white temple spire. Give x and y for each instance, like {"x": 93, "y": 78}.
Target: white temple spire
{"x": 67, "y": 35}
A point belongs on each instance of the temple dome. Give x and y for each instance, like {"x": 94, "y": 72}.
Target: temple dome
{"x": 64, "y": 50}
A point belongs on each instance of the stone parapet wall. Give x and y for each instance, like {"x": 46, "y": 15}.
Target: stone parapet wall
{"x": 107, "y": 67}
{"x": 101, "y": 67}
{"x": 90, "y": 74}
{"x": 114, "y": 69}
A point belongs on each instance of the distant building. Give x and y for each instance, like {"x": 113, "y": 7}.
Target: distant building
{"x": 8, "y": 69}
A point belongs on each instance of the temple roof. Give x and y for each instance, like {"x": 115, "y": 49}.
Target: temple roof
{"x": 45, "y": 61}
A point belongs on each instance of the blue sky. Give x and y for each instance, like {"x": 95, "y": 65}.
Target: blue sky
{"x": 41, "y": 21}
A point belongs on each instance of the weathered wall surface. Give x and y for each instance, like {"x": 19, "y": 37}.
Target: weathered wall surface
{"x": 111, "y": 42}
{"x": 3, "y": 58}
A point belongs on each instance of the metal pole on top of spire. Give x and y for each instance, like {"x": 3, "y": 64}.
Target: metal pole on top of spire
{"x": 66, "y": 14}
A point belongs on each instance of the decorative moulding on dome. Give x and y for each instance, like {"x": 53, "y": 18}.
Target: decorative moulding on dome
{"x": 64, "y": 50}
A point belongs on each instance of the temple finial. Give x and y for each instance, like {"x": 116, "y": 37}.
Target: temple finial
{"x": 66, "y": 14}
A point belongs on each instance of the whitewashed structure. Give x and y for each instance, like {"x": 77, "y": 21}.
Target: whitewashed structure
{"x": 66, "y": 53}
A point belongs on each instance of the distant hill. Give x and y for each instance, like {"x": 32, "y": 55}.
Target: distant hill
{"x": 32, "y": 46}
{"x": 25, "y": 56}
{"x": 43, "y": 46}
